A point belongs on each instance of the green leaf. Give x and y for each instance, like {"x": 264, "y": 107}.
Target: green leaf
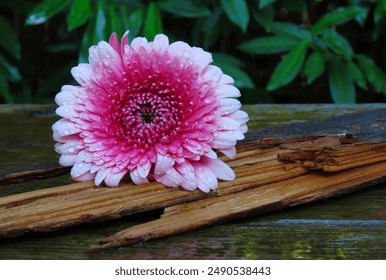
{"x": 9, "y": 40}
{"x": 341, "y": 84}
{"x": 237, "y": 11}
{"x": 337, "y": 43}
{"x": 315, "y": 66}
{"x": 265, "y": 3}
{"x": 79, "y": 13}
{"x": 339, "y": 16}
{"x": 357, "y": 74}
{"x": 114, "y": 22}
{"x": 63, "y": 47}
{"x": 5, "y": 91}
{"x": 264, "y": 17}
{"x": 132, "y": 20}
{"x": 372, "y": 72}
{"x": 291, "y": 30}
{"x": 95, "y": 32}
{"x": 231, "y": 66}
{"x": 45, "y": 10}
{"x": 153, "y": 22}
{"x": 209, "y": 28}
{"x": 9, "y": 71}
{"x": 269, "y": 45}
{"x": 226, "y": 59}
{"x": 378, "y": 13}
{"x": 100, "y": 23}
{"x": 186, "y": 8}
{"x": 289, "y": 67}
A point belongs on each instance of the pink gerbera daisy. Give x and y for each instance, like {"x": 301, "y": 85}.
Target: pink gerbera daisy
{"x": 153, "y": 110}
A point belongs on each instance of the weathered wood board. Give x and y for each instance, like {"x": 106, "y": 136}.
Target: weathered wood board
{"x": 148, "y": 250}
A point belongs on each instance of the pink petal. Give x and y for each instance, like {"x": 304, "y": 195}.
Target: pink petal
{"x": 220, "y": 169}
{"x": 67, "y": 160}
{"x": 163, "y": 164}
{"x": 138, "y": 180}
{"x": 225, "y": 79}
{"x": 68, "y": 148}
{"x": 100, "y": 176}
{"x": 63, "y": 128}
{"x": 161, "y": 43}
{"x": 229, "y": 105}
{"x": 85, "y": 177}
{"x": 112, "y": 180}
{"x": 229, "y": 152}
{"x": 79, "y": 169}
{"x": 67, "y": 111}
{"x": 67, "y": 95}
{"x": 171, "y": 178}
{"x": 227, "y": 91}
{"x": 82, "y": 73}
{"x": 206, "y": 178}
{"x": 138, "y": 42}
{"x": 186, "y": 170}
{"x": 201, "y": 57}
{"x": 114, "y": 42}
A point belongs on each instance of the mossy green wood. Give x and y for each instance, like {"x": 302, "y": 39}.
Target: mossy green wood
{"x": 332, "y": 229}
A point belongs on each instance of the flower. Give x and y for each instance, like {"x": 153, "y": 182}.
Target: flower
{"x": 153, "y": 110}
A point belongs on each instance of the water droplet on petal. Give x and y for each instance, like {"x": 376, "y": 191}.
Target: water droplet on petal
{"x": 71, "y": 149}
{"x": 66, "y": 132}
{"x": 209, "y": 179}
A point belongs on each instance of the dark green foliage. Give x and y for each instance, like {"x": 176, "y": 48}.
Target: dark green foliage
{"x": 276, "y": 50}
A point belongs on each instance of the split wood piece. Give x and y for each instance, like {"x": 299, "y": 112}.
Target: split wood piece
{"x": 54, "y": 208}
{"x": 304, "y": 189}
{"x": 332, "y": 154}
{"x": 38, "y": 173}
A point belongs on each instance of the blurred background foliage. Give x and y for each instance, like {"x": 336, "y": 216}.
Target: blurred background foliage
{"x": 278, "y": 51}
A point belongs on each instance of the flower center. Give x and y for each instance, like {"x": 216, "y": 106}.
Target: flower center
{"x": 147, "y": 118}
{"x": 147, "y": 115}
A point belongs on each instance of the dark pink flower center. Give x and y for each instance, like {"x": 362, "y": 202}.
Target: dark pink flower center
{"x": 147, "y": 118}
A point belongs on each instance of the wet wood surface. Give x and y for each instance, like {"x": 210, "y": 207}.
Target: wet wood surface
{"x": 330, "y": 229}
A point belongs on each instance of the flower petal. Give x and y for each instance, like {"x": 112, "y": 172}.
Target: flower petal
{"x": 163, "y": 164}
{"x": 82, "y": 73}
{"x": 171, "y": 178}
{"x": 206, "y": 178}
{"x": 67, "y": 95}
{"x": 138, "y": 180}
{"x": 112, "y": 180}
{"x": 100, "y": 176}
{"x": 220, "y": 169}
{"x": 67, "y": 160}
{"x": 229, "y": 105}
{"x": 228, "y": 91}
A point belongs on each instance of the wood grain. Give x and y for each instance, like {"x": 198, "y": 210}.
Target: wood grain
{"x": 291, "y": 192}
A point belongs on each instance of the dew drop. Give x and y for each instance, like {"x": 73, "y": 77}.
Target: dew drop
{"x": 71, "y": 149}
{"x": 66, "y": 109}
{"x": 66, "y": 132}
{"x": 209, "y": 179}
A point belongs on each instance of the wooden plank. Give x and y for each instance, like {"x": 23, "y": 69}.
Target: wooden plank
{"x": 295, "y": 191}
{"x": 64, "y": 206}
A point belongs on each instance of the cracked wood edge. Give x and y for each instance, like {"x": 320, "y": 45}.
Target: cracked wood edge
{"x": 304, "y": 189}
